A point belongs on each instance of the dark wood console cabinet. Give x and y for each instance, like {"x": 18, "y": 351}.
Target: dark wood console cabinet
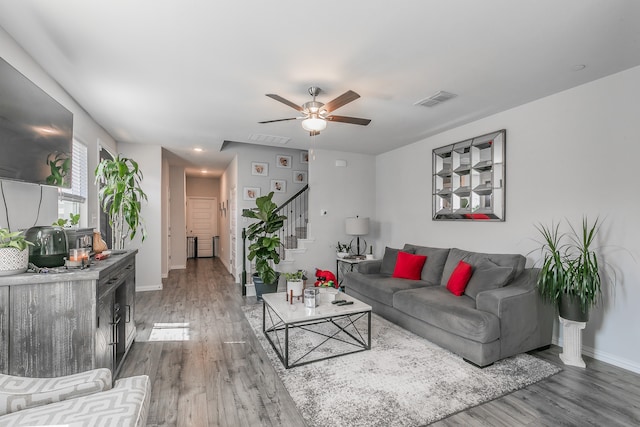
{"x": 63, "y": 323}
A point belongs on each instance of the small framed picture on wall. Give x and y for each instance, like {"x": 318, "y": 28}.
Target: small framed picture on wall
{"x": 251, "y": 193}
{"x": 283, "y": 161}
{"x": 300, "y": 177}
{"x": 304, "y": 157}
{"x": 259, "y": 168}
{"x": 278, "y": 185}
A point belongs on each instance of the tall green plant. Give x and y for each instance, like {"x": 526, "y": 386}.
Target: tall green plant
{"x": 263, "y": 236}
{"x": 121, "y": 197}
{"x": 570, "y": 264}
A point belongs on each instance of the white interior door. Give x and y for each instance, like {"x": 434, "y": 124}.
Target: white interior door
{"x": 202, "y": 222}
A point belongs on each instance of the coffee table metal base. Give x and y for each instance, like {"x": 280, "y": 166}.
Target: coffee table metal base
{"x": 342, "y": 322}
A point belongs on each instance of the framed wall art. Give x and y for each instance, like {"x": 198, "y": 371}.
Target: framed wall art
{"x": 259, "y": 168}
{"x": 469, "y": 179}
{"x": 300, "y": 177}
{"x": 283, "y": 161}
{"x": 304, "y": 157}
{"x": 250, "y": 193}
{"x": 278, "y": 185}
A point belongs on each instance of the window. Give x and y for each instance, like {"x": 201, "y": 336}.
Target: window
{"x": 72, "y": 200}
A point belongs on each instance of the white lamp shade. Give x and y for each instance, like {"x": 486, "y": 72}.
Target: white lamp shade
{"x": 314, "y": 124}
{"x": 357, "y": 226}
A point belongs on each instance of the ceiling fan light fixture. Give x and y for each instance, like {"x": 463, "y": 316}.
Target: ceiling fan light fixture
{"x": 314, "y": 124}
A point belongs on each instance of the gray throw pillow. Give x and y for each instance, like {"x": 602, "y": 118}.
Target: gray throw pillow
{"x": 389, "y": 260}
{"x": 487, "y": 275}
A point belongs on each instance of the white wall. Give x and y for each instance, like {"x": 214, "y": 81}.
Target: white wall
{"x": 177, "y": 203}
{"x": 570, "y": 154}
{"x": 148, "y": 260}
{"x": 229, "y": 181}
{"x": 342, "y": 191}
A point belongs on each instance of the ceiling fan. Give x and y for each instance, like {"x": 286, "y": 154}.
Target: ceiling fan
{"x": 316, "y": 114}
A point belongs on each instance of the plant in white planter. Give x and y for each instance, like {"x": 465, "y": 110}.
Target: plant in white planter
{"x": 295, "y": 283}
{"x": 14, "y": 253}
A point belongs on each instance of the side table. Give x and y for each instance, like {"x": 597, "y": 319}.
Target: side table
{"x": 346, "y": 265}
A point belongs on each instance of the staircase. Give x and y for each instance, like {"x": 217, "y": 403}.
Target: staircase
{"x": 293, "y": 234}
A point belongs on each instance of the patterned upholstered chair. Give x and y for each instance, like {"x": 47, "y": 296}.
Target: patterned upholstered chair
{"x": 84, "y": 399}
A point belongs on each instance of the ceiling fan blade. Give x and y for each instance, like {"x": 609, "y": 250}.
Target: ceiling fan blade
{"x": 351, "y": 120}
{"x": 279, "y": 120}
{"x": 343, "y": 99}
{"x": 284, "y": 101}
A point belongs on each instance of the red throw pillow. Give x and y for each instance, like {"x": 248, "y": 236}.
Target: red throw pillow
{"x": 409, "y": 266}
{"x": 459, "y": 278}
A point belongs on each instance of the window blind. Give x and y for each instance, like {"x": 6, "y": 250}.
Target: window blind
{"x": 79, "y": 175}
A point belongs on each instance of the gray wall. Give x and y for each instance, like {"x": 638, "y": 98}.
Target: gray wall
{"x": 571, "y": 154}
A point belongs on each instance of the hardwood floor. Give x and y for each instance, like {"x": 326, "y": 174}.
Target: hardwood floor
{"x": 219, "y": 375}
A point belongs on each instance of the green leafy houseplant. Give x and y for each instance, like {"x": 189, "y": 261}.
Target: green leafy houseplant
{"x": 74, "y": 219}
{"x": 570, "y": 268}
{"x": 263, "y": 237}
{"x": 297, "y": 276}
{"x": 121, "y": 197}
{"x": 14, "y": 256}
{"x": 14, "y": 240}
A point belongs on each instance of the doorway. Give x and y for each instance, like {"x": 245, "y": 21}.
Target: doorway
{"x": 202, "y": 223}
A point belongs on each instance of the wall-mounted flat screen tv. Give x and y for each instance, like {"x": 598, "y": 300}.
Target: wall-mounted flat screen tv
{"x": 36, "y": 132}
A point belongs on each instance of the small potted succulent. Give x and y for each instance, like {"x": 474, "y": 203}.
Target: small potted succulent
{"x": 14, "y": 252}
{"x": 343, "y": 249}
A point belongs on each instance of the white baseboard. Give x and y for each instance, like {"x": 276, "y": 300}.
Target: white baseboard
{"x": 178, "y": 267}
{"x": 149, "y": 288}
{"x": 603, "y": 356}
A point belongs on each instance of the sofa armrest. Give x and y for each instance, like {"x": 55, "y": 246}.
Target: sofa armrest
{"x": 18, "y": 393}
{"x": 526, "y": 321}
{"x": 370, "y": 267}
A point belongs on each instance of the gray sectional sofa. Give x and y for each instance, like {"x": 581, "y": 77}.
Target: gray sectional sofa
{"x": 499, "y": 315}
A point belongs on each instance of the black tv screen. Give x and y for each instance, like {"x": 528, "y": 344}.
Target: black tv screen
{"x": 36, "y": 132}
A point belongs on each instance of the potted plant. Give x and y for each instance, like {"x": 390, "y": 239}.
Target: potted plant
{"x": 570, "y": 272}
{"x": 295, "y": 283}
{"x": 14, "y": 253}
{"x": 343, "y": 249}
{"x": 265, "y": 243}
{"x": 73, "y": 221}
{"x": 121, "y": 197}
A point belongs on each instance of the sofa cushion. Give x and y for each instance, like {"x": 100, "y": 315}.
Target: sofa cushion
{"x": 487, "y": 275}
{"x": 126, "y": 405}
{"x": 409, "y": 266}
{"x": 389, "y": 260}
{"x": 436, "y": 259}
{"x": 19, "y": 393}
{"x": 438, "y": 307}
{"x": 459, "y": 278}
{"x": 379, "y": 287}
{"x": 515, "y": 261}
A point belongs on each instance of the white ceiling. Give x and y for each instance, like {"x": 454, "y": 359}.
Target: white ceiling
{"x": 194, "y": 73}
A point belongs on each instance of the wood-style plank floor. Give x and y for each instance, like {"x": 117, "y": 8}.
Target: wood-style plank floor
{"x": 213, "y": 372}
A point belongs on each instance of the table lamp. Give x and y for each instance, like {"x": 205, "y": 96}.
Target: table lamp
{"x": 357, "y": 226}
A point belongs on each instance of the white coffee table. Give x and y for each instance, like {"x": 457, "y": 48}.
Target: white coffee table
{"x": 279, "y": 316}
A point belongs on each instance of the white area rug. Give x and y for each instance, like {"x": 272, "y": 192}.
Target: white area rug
{"x": 404, "y": 380}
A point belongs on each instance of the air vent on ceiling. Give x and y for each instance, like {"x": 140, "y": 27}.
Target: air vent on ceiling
{"x": 436, "y": 99}
{"x": 268, "y": 139}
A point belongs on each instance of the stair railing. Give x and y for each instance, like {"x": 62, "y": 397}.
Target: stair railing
{"x": 296, "y": 209}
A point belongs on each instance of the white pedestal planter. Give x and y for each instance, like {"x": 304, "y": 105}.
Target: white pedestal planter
{"x": 294, "y": 288}
{"x": 572, "y": 343}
